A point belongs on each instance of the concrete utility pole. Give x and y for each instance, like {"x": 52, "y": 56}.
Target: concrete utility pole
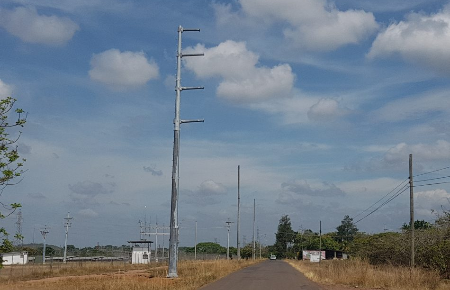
{"x": 44, "y": 233}
{"x": 238, "y": 214}
{"x": 411, "y": 208}
{"x": 228, "y": 238}
{"x": 173, "y": 242}
{"x": 254, "y": 221}
{"x": 67, "y": 224}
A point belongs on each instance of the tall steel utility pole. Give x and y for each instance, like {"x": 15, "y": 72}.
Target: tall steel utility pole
{"x": 228, "y": 238}
{"x": 44, "y": 233}
{"x": 67, "y": 224}
{"x": 238, "y": 214}
{"x": 411, "y": 208}
{"x": 173, "y": 242}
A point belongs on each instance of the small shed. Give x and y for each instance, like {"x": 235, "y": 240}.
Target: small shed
{"x": 141, "y": 253}
{"x": 14, "y": 258}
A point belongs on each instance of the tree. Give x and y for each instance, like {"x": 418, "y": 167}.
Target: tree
{"x": 418, "y": 225}
{"x": 346, "y": 232}
{"x": 284, "y": 237}
{"x": 10, "y": 162}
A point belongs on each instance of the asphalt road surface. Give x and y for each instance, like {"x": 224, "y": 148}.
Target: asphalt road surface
{"x": 267, "y": 275}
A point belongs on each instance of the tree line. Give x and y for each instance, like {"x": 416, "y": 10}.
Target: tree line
{"x": 432, "y": 243}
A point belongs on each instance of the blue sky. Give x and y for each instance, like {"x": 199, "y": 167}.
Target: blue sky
{"x": 319, "y": 102}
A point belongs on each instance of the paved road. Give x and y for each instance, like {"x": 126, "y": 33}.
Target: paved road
{"x": 267, "y": 275}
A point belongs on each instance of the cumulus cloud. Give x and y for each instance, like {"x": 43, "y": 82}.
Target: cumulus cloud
{"x": 431, "y": 200}
{"x": 122, "y": 69}
{"x": 5, "y": 90}
{"x": 153, "y": 171}
{"x": 326, "y": 110}
{"x": 421, "y": 38}
{"x": 86, "y": 192}
{"x": 90, "y": 213}
{"x": 88, "y": 188}
{"x": 414, "y": 107}
{"x": 241, "y": 79}
{"x": 26, "y": 24}
{"x": 423, "y": 152}
{"x": 315, "y": 25}
{"x": 210, "y": 187}
{"x": 302, "y": 187}
{"x": 397, "y": 157}
{"x": 207, "y": 193}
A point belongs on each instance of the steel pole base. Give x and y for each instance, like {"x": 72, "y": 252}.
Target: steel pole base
{"x": 172, "y": 275}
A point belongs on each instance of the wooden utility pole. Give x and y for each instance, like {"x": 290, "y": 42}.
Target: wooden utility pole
{"x": 411, "y": 208}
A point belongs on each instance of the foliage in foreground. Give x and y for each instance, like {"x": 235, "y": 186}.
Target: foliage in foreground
{"x": 432, "y": 247}
{"x": 361, "y": 274}
{"x": 10, "y": 162}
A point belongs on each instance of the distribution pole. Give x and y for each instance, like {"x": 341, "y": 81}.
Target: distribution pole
{"x": 44, "y": 233}
{"x": 195, "y": 246}
{"x": 173, "y": 242}
{"x": 228, "y": 238}
{"x": 320, "y": 241}
{"x": 68, "y": 224}
{"x": 238, "y": 214}
{"x": 254, "y": 221}
{"x": 411, "y": 208}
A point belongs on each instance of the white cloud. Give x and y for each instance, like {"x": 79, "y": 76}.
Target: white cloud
{"x": 421, "y": 38}
{"x": 29, "y": 26}
{"x": 397, "y": 157}
{"x": 5, "y": 90}
{"x": 423, "y": 152}
{"x": 210, "y": 187}
{"x": 90, "y": 213}
{"x": 242, "y": 80}
{"x": 121, "y": 69}
{"x": 315, "y": 25}
{"x": 325, "y": 110}
{"x": 303, "y": 187}
{"x": 414, "y": 107}
{"x": 426, "y": 201}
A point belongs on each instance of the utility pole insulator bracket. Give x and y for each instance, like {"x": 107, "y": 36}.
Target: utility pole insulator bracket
{"x": 192, "y": 121}
{"x": 191, "y": 88}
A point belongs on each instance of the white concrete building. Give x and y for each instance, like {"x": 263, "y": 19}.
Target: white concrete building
{"x": 141, "y": 253}
{"x": 14, "y": 258}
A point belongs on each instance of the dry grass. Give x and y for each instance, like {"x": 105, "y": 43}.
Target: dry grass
{"x": 192, "y": 275}
{"x": 357, "y": 273}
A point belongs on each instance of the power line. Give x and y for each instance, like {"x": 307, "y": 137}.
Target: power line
{"x": 445, "y": 182}
{"x": 423, "y": 180}
{"x": 400, "y": 191}
{"x": 432, "y": 171}
{"x": 380, "y": 199}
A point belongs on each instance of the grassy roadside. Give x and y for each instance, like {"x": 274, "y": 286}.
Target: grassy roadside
{"x": 192, "y": 275}
{"x": 357, "y": 273}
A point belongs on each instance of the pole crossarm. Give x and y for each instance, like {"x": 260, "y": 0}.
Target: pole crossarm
{"x": 191, "y": 88}
{"x": 192, "y": 121}
{"x": 191, "y": 54}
